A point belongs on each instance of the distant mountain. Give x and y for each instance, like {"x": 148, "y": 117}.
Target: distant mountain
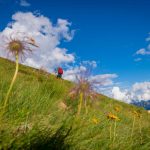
{"x": 145, "y": 104}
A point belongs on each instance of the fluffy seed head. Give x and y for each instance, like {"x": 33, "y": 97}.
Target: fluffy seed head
{"x": 19, "y": 44}
{"x": 15, "y": 46}
{"x": 84, "y": 85}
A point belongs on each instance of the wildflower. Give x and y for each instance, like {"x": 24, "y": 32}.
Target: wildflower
{"x": 113, "y": 117}
{"x": 43, "y": 71}
{"x": 95, "y": 120}
{"x": 18, "y": 44}
{"x": 62, "y": 106}
{"x": 137, "y": 114}
{"x": 84, "y": 89}
{"x": 117, "y": 109}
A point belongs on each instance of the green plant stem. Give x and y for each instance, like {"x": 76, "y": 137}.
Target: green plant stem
{"x": 26, "y": 122}
{"x": 140, "y": 128}
{"x": 110, "y": 131}
{"x": 86, "y": 107}
{"x": 80, "y": 103}
{"x": 114, "y": 131}
{"x": 12, "y": 83}
{"x": 133, "y": 126}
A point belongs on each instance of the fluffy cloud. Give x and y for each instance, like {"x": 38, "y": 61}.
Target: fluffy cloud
{"x": 49, "y": 54}
{"x": 143, "y": 51}
{"x": 117, "y": 93}
{"x": 104, "y": 79}
{"x": 101, "y": 80}
{"x": 47, "y": 37}
{"x": 72, "y": 72}
{"x": 120, "y": 95}
{"x": 138, "y": 92}
{"x": 24, "y": 3}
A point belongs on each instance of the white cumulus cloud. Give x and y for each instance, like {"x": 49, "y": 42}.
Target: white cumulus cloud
{"x": 47, "y": 36}
{"x": 104, "y": 79}
{"x": 143, "y": 51}
{"x": 138, "y": 92}
{"x": 100, "y": 80}
{"x": 50, "y": 55}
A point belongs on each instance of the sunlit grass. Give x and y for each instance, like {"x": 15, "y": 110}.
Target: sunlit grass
{"x": 39, "y": 114}
{"x": 17, "y": 47}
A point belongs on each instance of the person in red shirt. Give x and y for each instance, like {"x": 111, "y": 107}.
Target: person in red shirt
{"x": 59, "y": 72}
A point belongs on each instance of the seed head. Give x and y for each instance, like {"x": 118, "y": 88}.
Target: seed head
{"x": 84, "y": 85}
{"x": 19, "y": 44}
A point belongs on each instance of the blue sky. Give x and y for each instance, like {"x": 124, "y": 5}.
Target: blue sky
{"x": 109, "y": 32}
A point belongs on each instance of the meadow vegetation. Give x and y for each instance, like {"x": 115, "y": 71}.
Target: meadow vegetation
{"x": 41, "y": 114}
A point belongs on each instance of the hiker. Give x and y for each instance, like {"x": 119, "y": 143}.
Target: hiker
{"x": 59, "y": 72}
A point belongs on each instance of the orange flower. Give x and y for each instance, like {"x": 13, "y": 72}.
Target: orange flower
{"x": 137, "y": 113}
{"x": 112, "y": 117}
{"x": 95, "y": 120}
{"x": 117, "y": 109}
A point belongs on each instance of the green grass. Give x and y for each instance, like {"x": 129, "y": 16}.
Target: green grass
{"x": 36, "y": 118}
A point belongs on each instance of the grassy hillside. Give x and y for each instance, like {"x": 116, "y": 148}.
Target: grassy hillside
{"x": 41, "y": 115}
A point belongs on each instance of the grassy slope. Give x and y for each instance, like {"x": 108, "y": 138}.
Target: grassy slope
{"x": 37, "y": 116}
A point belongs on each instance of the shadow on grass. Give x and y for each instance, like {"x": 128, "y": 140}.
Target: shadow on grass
{"x": 55, "y": 142}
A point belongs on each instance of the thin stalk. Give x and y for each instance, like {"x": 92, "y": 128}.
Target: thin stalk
{"x": 114, "y": 131}
{"x": 26, "y": 122}
{"x": 12, "y": 83}
{"x": 80, "y": 103}
{"x": 133, "y": 126}
{"x": 86, "y": 107}
{"x": 110, "y": 131}
{"x": 140, "y": 128}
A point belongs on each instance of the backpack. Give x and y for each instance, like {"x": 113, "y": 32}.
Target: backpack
{"x": 60, "y": 71}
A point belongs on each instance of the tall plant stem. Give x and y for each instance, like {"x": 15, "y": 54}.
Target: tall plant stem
{"x": 86, "y": 107}
{"x": 80, "y": 103}
{"x": 12, "y": 83}
{"x": 114, "y": 132}
{"x": 140, "y": 128}
{"x": 133, "y": 126}
{"x": 110, "y": 131}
